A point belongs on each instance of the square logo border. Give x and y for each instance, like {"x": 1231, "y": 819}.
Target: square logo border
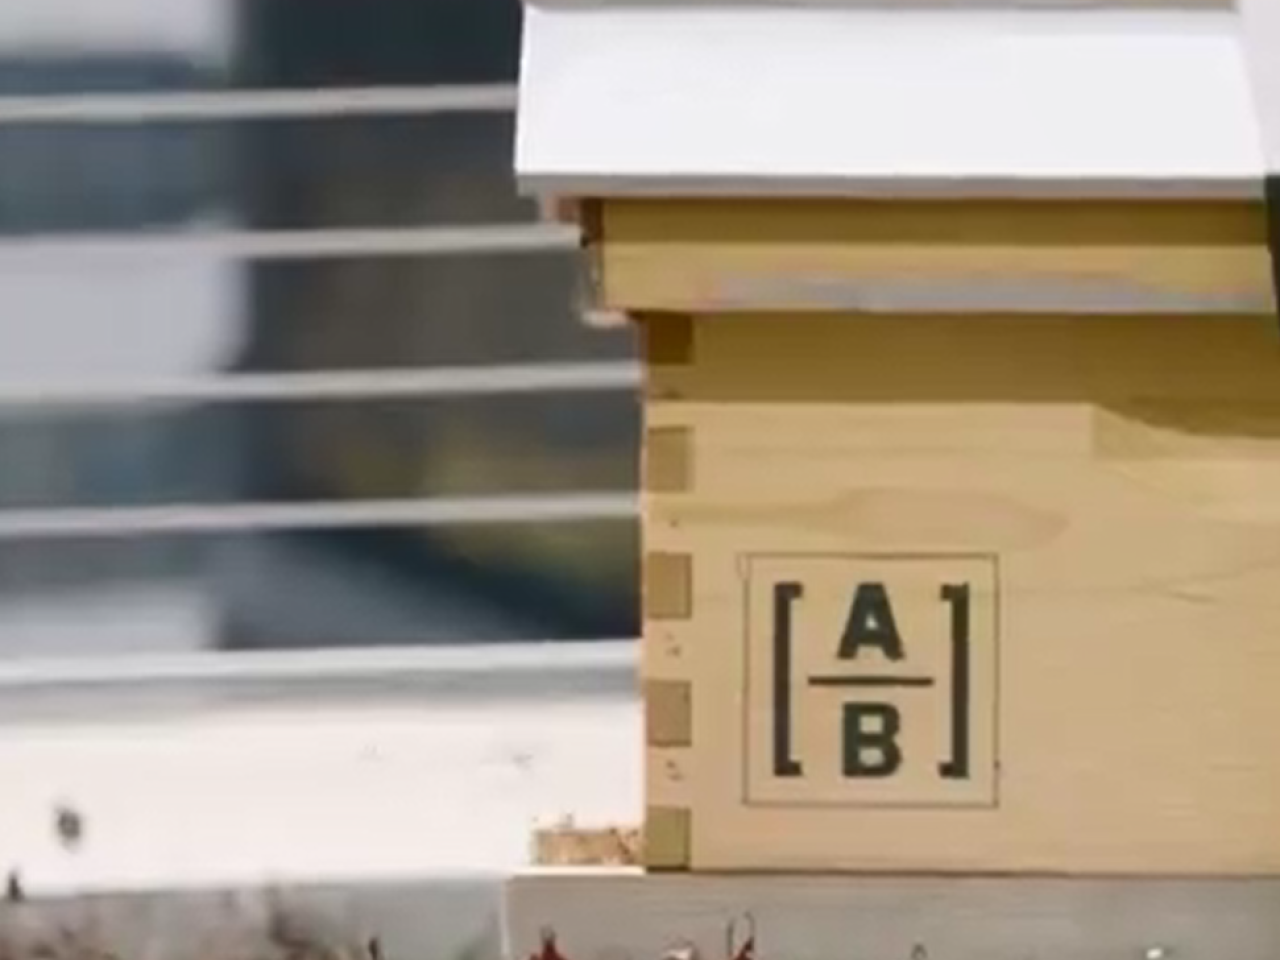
{"x": 744, "y": 563}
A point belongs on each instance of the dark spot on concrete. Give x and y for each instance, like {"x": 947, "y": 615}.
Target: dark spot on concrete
{"x": 69, "y": 825}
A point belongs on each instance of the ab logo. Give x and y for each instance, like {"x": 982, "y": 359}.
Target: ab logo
{"x": 871, "y": 681}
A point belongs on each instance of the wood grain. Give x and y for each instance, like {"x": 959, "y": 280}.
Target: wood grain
{"x": 1121, "y": 473}
{"x": 941, "y": 256}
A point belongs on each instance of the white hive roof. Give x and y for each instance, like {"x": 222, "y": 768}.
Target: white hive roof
{"x": 828, "y": 97}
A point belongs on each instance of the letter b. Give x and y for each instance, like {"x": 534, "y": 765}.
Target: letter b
{"x": 871, "y": 740}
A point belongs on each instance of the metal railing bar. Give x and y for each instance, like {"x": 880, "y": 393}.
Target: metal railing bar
{"x": 319, "y": 244}
{"x": 323, "y": 103}
{"x": 533, "y": 657}
{"x": 345, "y": 385}
{"x": 62, "y": 523}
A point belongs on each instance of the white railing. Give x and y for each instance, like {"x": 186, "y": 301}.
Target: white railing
{"x": 443, "y": 745}
{"x": 598, "y": 665}
{"x": 328, "y": 103}
{"x": 115, "y": 522}
{"x": 424, "y": 383}
{"x": 291, "y": 387}
{"x": 319, "y": 244}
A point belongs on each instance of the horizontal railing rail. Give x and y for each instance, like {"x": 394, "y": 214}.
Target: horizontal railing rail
{"x": 593, "y": 662}
{"x": 320, "y": 103}
{"x": 316, "y": 244}
{"x": 20, "y": 397}
{"x": 425, "y": 383}
{"x": 117, "y": 522}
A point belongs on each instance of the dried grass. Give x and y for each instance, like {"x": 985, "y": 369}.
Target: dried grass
{"x": 566, "y": 844}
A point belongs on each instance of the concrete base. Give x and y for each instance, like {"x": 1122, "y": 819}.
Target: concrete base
{"x": 441, "y": 919}
{"x": 616, "y": 914}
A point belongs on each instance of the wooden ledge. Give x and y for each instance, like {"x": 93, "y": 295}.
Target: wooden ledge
{"x": 971, "y": 257}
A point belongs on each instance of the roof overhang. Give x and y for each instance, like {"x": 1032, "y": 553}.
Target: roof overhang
{"x": 829, "y": 98}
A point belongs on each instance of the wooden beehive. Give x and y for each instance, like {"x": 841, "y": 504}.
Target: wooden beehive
{"x": 962, "y": 442}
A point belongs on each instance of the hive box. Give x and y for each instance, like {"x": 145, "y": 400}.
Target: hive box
{"x": 961, "y": 487}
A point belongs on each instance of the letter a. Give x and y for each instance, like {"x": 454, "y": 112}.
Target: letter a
{"x": 871, "y": 624}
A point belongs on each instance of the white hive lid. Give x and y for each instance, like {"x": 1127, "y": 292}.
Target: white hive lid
{"x": 824, "y": 97}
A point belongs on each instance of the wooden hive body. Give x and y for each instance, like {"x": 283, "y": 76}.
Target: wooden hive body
{"x": 961, "y": 509}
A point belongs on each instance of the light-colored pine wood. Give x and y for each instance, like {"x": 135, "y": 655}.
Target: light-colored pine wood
{"x": 668, "y": 468}
{"x": 668, "y": 588}
{"x": 668, "y": 833}
{"x": 942, "y": 256}
{"x": 667, "y": 459}
{"x": 616, "y": 913}
{"x": 1111, "y": 492}
{"x": 668, "y": 713}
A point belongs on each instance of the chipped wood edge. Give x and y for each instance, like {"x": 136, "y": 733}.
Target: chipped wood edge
{"x": 553, "y": 208}
{"x": 590, "y": 218}
{"x": 587, "y": 216}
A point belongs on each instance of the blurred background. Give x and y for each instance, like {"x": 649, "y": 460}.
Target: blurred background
{"x": 75, "y": 316}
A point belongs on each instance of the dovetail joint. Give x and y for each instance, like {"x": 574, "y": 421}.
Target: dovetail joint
{"x": 667, "y": 339}
{"x": 667, "y": 586}
{"x": 668, "y": 710}
{"x": 668, "y": 838}
{"x": 667, "y": 459}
